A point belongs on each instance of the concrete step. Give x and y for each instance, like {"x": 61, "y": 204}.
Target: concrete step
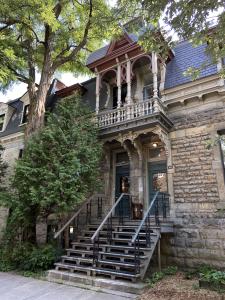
{"x": 89, "y": 254}
{"x": 118, "y": 287}
{"x": 103, "y": 247}
{"x": 115, "y": 233}
{"x": 124, "y": 241}
{"x": 113, "y": 274}
{"x": 101, "y": 262}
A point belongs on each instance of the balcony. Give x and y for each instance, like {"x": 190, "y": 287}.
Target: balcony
{"x": 134, "y": 116}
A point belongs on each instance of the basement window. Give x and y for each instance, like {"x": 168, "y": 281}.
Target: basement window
{"x": 25, "y": 113}
{"x": 2, "y": 117}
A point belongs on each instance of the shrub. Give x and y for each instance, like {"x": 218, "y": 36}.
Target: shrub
{"x": 26, "y": 257}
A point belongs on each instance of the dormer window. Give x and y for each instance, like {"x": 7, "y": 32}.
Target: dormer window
{"x": 2, "y": 117}
{"x": 25, "y": 113}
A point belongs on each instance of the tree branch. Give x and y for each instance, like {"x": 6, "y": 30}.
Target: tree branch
{"x": 62, "y": 60}
{"x": 20, "y": 77}
{"x": 11, "y": 22}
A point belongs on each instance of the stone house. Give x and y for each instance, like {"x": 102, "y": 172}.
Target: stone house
{"x": 155, "y": 124}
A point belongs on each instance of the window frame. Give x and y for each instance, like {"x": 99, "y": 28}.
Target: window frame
{"x": 222, "y": 133}
{"x": 3, "y": 123}
{"x": 23, "y": 114}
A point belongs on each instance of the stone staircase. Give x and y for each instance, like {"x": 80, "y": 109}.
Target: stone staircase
{"x": 116, "y": 259}
{"x": 114, "y": 252}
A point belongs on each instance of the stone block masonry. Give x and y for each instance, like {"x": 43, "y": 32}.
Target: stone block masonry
{"x": 194, "y": 179}
{"x": 199, "y": 233}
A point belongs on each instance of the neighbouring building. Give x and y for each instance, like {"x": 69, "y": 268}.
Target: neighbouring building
{"x": 155, "y": 125}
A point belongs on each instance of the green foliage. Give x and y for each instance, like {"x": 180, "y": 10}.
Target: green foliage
{"x": 171, "y": 270}
{"x": 215, "y": 278}
{"x": 157, "y": 276}
{"x": 213, "y": 275}
{"x": 62, "y": 32}
{"x": 27, "y": 258}
{"x": 3, "y": 168}
{"x": 59, "y": 168}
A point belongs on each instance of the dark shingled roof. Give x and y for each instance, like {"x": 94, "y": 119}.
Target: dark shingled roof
{"x": 187, "y": 56}
{"x": 13, "y": 125}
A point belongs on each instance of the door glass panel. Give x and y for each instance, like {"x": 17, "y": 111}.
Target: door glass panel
{"x": 124, "y": 184}
{"x": 159, "y": 182}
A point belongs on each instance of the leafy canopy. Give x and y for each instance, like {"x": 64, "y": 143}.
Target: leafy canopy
{"x": 60, "y": 32}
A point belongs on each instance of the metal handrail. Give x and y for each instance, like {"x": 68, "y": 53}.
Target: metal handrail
{"x": 107, "y": 216}
{"x": 74, "y": 216}
{"x": 145, "y": 217}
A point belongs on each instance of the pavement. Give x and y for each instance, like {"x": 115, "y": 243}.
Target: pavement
{"x": 16, "y": 287}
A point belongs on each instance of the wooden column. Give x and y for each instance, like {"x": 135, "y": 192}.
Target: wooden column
{"x": 128, "y": 80}
{"x": 97, "y": 91}
{"x": 154, "y": 72}
{"x": 119, "y": 84}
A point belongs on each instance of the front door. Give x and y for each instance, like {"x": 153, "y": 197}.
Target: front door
{"x": 157, "y": 178}
{"x": 122, "y": 186}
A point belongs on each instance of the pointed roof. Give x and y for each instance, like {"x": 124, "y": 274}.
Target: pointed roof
{"x": 113, "y": 46}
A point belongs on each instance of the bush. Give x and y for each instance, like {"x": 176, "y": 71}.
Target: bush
{"x": 26, "y": 257}
{"x": 157, "y": 276}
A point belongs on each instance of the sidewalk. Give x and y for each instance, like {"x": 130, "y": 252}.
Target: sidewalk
{"x": 15, "y": 287}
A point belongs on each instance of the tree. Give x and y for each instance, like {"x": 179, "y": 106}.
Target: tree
{"x": 59, "y": 167}
{"x": 198, "y": 21}
{"x": 45, "y": 37}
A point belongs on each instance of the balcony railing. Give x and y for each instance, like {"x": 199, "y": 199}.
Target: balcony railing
{"x": 129, "y": 112}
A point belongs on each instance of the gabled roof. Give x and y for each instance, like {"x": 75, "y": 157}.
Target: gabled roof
{"x": 102, "y": 52}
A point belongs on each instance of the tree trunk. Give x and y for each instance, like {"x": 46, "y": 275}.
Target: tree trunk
{"x": 37, "y": 108}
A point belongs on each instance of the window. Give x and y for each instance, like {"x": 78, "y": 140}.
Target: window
{"x": 20, "y": 153}
{"x": 25, "y": 113}
{"x": 2, "y": 117}
{"x": 147, "y": 92}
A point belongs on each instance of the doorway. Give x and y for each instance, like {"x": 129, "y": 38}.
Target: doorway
{"x": 122, "y": 186}
{"x": 157, "y": 178}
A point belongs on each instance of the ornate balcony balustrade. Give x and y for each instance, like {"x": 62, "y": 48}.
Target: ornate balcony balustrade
{"x": 130, "y": 112}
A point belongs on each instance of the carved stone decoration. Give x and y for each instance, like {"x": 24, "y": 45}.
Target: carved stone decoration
{"x": 164, "y": 138}
{"x": 138, "y": 146}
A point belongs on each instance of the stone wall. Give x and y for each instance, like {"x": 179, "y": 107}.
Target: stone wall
{"x": 199, "y": 231}
{"x": 10, "y": 154}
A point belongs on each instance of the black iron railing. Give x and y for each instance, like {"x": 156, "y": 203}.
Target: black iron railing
{"x": 118, "y": 213}
{"x": 157, "y": 211}
{"x": 91, "y": 208}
